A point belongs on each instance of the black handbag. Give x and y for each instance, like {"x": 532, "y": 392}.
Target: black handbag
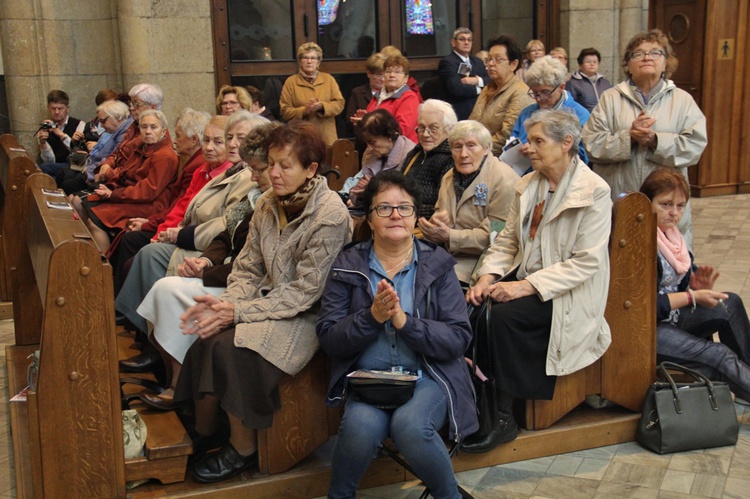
{"x": 487, "y": 404}
{"x": 686, "y": 416}
{"x": 383, "y": 390}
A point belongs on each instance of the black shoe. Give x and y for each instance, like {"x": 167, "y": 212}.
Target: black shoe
{"x": 223, "y": 464}
{"x": 203, "y": 444}
{"x": 505, "y": 431}
{"x": 144, "y": 362}
{"x": 156, "y": 401}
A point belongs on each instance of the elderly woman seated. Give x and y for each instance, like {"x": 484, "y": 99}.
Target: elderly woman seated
{"x": 474, "y": 196}
{"x": 547, "y": 78}
{"x": 204, "y": 218}
{"x": 142, "y": 187}
{"x": 386, "y": 149}
{"x": 263, "y": 324}
{"x": 547, "y": 274}
{"x": 394, "y": 303}
{"x": 206, "y": 274}
{"x": 431, "y": 158}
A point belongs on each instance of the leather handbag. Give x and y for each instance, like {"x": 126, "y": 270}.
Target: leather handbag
{"x": 685, "y": 416}
{"x": 487, "y": 404}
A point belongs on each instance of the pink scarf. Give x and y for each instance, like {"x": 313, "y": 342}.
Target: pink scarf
{"x": 672, "y": 247}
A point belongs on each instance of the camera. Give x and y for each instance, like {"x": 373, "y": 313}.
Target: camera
{"x": 48, "y": 125}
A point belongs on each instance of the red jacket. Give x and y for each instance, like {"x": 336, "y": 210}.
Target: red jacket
{"x": 142, "y": 188}
{"x": 178, "y": 189}
{"x": 403, "y": 105}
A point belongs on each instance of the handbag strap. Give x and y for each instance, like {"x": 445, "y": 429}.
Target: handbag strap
{"x": 695, "y": 374}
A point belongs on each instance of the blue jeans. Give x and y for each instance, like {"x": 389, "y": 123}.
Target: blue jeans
{"x": 413, "y": 427}
{"x": 689, "y": 343}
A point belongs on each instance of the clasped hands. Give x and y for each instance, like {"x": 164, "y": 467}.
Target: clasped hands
{"x": 313, "y": 105}
{"x": 436, "y": 229}
{"x": 192, "y": 267}
{"x": 502, "y": 291}
{"x": 641, "y": 131}
{"x": 386, "y": 305}
{"x": 208, "y": 317}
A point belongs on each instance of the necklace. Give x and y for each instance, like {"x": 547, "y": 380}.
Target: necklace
{"x": 408, "y": 254}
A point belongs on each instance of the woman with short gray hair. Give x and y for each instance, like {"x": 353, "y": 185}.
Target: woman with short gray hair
{"x": 431, "y": 158}
{"x": 547, "y": 80}
{"x": 547, "y": 275}
{"x": 474, "y": 198}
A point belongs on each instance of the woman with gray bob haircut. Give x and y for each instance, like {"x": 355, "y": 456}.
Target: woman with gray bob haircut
{"x": 192, "y": 122}
{"x": 115, "y": 109}
{"x": 547, "y": 275}
{"x": 473, "y": 200}
{"x": 148, "y": 93}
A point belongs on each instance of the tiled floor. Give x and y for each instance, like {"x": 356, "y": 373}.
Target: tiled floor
{"x": 721, "y": 238}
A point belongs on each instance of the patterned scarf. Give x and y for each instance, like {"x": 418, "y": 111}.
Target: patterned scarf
{"x": 462, "y": 182}
{"x": 672, "y": 246}
{"x": 309, "y": 78}
{"x": 291, "y": 205}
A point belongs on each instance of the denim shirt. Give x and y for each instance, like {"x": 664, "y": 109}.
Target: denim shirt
{"x": 389, "y": 350}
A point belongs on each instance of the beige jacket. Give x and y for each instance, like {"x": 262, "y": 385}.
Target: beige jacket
{"x": 278, "y": 277}
{"x": 680, "y": 133}
{"x": 468, "y": 219}
{"x": 575, "y": 259}
{"x": 296, "y": 93}
{"x": 206, "y": 211}
{"x": 499, "y": 109}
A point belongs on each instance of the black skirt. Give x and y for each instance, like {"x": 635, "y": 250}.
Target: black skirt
{"x": 246, "y": 383}
{"x": 520, "y": 338}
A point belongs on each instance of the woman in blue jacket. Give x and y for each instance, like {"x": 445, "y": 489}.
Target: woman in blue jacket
{"x": 395, "y": 302}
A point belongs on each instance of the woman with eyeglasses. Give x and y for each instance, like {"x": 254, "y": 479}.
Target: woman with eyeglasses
{"x": 396, "y": 97}
{"x": 645, "y": 122}
{"x": 311, "y": 94}
{"x": 431, "y": 158}
{"x": 205, "y": 274}
{"x": 689, "y": 311}
{"x": 547, "y": 79}
{"x": 394, "y": 303}
{"x": 502, "y": 100}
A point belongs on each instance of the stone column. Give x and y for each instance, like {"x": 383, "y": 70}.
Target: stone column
{"x": 606, "y": 25}
{"x": 169, "y": 43}
{"x": 56, "y": 44}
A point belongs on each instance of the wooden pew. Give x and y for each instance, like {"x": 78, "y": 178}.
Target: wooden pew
{"x": 15, "y": 168}
{"x": 626, "y": 370}
{"x": 67, "y": 436}
{"x": 345, "y": 160}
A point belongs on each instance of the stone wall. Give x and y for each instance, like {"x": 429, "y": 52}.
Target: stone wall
{"x": 606, "y": 25}
{"x": 83, "y": 46}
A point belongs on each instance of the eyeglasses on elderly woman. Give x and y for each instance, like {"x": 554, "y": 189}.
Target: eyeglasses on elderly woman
{"x": 638, "y": 55}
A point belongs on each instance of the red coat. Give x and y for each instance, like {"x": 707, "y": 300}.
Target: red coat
{"x": 142, "y": 188}
{"x": 178, "y": 190}
{"x": 131, "y": 142}
{"x": 403, "y": 105}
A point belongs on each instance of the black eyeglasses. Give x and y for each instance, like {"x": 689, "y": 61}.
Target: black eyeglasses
{"x": 544, "y": 94}
{"x": 386, "y": 210}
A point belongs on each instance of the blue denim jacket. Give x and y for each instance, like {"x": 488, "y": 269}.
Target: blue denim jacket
{"x": 440, "y": 335}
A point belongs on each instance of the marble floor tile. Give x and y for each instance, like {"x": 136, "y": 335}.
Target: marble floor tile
{"x": 608, "y": 490}
{"x": 677, "y": 481}
{"x": 701, "y": 463}
{"x": 709, "y": 485}
{"x": 565, "y": 465}
{"x": 642, "y": 475}
{"x": 593, "y": 469}
{"x": 737, "y": 488}
{"x": 562, "y": 486}
{"x": 502, "y": 479}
